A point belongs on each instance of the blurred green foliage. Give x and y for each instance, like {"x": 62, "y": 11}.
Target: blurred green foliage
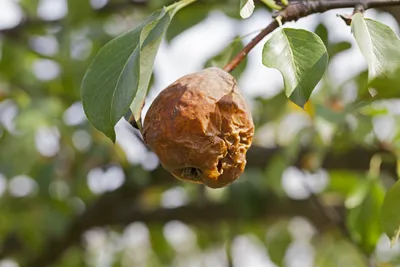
{"x": 69, "y": 197}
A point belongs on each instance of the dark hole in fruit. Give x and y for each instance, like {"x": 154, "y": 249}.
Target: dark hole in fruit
{"x": 219, "y": 166}
{"x": 191, "y": 172}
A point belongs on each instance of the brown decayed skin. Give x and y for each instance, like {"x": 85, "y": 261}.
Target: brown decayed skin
{"x": 201, "y": 128}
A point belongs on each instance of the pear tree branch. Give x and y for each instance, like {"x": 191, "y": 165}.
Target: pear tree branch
{"x": 301, "y": 9}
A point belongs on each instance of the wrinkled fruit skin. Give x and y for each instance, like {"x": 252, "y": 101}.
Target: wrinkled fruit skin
{"x": 201, "y": 128}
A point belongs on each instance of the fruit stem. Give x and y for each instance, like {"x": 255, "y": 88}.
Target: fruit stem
{"x": 243, "y": 53}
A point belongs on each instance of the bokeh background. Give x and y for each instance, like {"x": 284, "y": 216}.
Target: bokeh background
{"x": 310, "y": 195}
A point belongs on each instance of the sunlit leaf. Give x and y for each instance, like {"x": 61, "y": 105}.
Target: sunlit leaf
{"x": 246, "y": 8}
{"x": 379, "y": 46}
{"x": 302, "y": 59}
{"x": 150, "y": 40}
{"x": 120, "y": 74}
{"x": 344, "y": 182}
{"x": 111, "y": 82}
{"x": 357, "y": 196}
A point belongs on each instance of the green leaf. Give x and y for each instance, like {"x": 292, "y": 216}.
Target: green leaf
{"x": 29, "y": 6}
{"x": 246, "y": 8}
{"x": 335, "y": 252}
{"x": 160, "y": 245}
{"x": 302, "y": 59}
{"x": 344, "y": 182}
{"x": 278, "y": 241}
{"x": 363, "y": 221}
{"x": 111, "y": 81}
{"x": 330, "y": 115}
{"x": 337, "y": 48}
{"x": 333, "y": 48}
{"x": 323, "y": 33}
{"x": 78, "y": 11}
{"x": 391, "y": 213}
{"x": 223, "y": 57}
{"x": 150, "y": 40}
{"x": 266, "y": 110}
{"x": 119, "y": 76}
{"x": 379, "y": 46}
{"x": 274, "y": 171}
{"x": 357, "y": 196}
{"x": 19, "y": 149}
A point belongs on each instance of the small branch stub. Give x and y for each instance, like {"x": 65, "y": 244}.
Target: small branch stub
{"x": 348, "y": 18}
{"x": 131, "y": 119}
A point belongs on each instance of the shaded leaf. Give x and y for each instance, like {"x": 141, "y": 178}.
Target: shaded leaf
{"x": 333, "y": 48}
{"x": 302, "y": 59}
{"x": 278, "y": 241}
{"x": 223, "y": 57}
{"x": 336, "y": 48}
{"x": 21, "y": 154}
{"x": 387, "y": 87}
{"x": 391, "y": 213}
{"x": 269, "y": 109}
{"x": 274, "y": 172}
{"x": 332, "y": 252}
{"x": 160, "y": 245}
{"x": 330, "y": 115}
{"x": 363, "y": 221}
{"x": 29, "y": 6}
{"x": 78, "y": 10}
{"x": 323, "y": 33}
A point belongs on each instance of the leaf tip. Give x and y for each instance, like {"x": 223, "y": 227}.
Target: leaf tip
{"x": 112, "y": 136}
{"x": 299, "y": 103}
